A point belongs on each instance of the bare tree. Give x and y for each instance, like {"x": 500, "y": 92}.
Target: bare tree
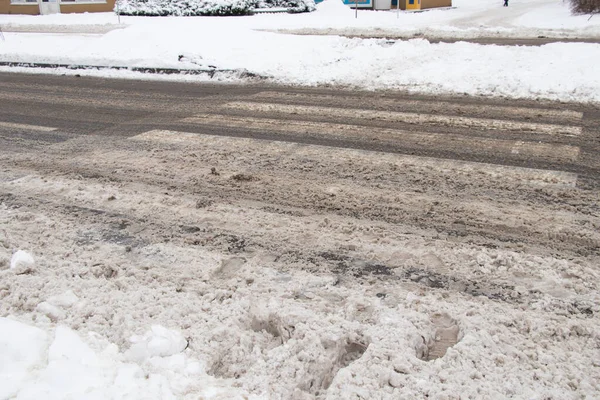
{"x": 585, "y": 6}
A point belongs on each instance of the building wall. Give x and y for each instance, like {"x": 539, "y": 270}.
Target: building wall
{"x": 65, "y": 8}
{"x": 7, "y": 8}
{"x": 435, "y": 3}
{"x": 402, "y": 4}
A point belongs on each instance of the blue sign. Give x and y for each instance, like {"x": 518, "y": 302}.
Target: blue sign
{"x": 359, "y": 3}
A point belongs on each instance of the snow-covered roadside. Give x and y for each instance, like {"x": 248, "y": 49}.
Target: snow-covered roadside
{"x": 558, "y": 71}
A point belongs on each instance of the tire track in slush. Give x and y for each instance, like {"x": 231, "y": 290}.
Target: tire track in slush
{"x": 143, "y": 213}
{"x": 363, "y": 184}
{"x": 383, "y": 200}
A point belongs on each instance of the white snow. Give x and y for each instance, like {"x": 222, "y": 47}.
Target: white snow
{"x": 260, "y": 44}
{"x": 21, "y": 260}
{"x": 22, "y": 349}
{"x": 158, "y": 341}
{"x": 334, "y": 9}
{"x": 59, "y": 364}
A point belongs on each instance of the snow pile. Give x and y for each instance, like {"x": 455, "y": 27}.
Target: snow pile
{"x": 296, "y": 6}
{"x": 334, "y": 8}
{"x": 556, "y": 71}
{"x": 22, "y": 349}
{"x": 207, "y": 7}
{"x": 184, "y": 8}
{"x": 59, "y": 364}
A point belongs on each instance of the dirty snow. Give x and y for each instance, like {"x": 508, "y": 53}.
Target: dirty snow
{"x": 254, "y": 332}
{"x": 174, "y": 319}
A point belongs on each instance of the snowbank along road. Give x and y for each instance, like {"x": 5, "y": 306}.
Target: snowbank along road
{"x": 310, "y": 243}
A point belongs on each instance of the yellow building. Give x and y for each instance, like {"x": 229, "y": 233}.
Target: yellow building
{"x": 421, "y": 4}
{"x": 35, "y": 7}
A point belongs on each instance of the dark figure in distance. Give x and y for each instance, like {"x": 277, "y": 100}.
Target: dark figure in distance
{"x": 505, "y": 3}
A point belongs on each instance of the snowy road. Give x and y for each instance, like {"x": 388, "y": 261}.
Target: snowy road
{"x": 311, "y": 243}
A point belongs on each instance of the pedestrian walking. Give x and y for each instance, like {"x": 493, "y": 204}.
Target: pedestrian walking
{"x": 505, "y": 3}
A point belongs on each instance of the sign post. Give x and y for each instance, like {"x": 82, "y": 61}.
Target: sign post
{"x": 118, "y": 11}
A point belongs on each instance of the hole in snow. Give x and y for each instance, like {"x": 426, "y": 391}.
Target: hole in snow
{"x": 274, "y": 326}
{"x": 264, "y": 333}
{"x": 352, "y": 352}
{"x": 446, "y": 332}
{"x": 343, "y": 354}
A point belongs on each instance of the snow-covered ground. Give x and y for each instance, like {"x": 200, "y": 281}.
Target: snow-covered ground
{"x": 282, "y": 327}
{"x": 264, "y": 45}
